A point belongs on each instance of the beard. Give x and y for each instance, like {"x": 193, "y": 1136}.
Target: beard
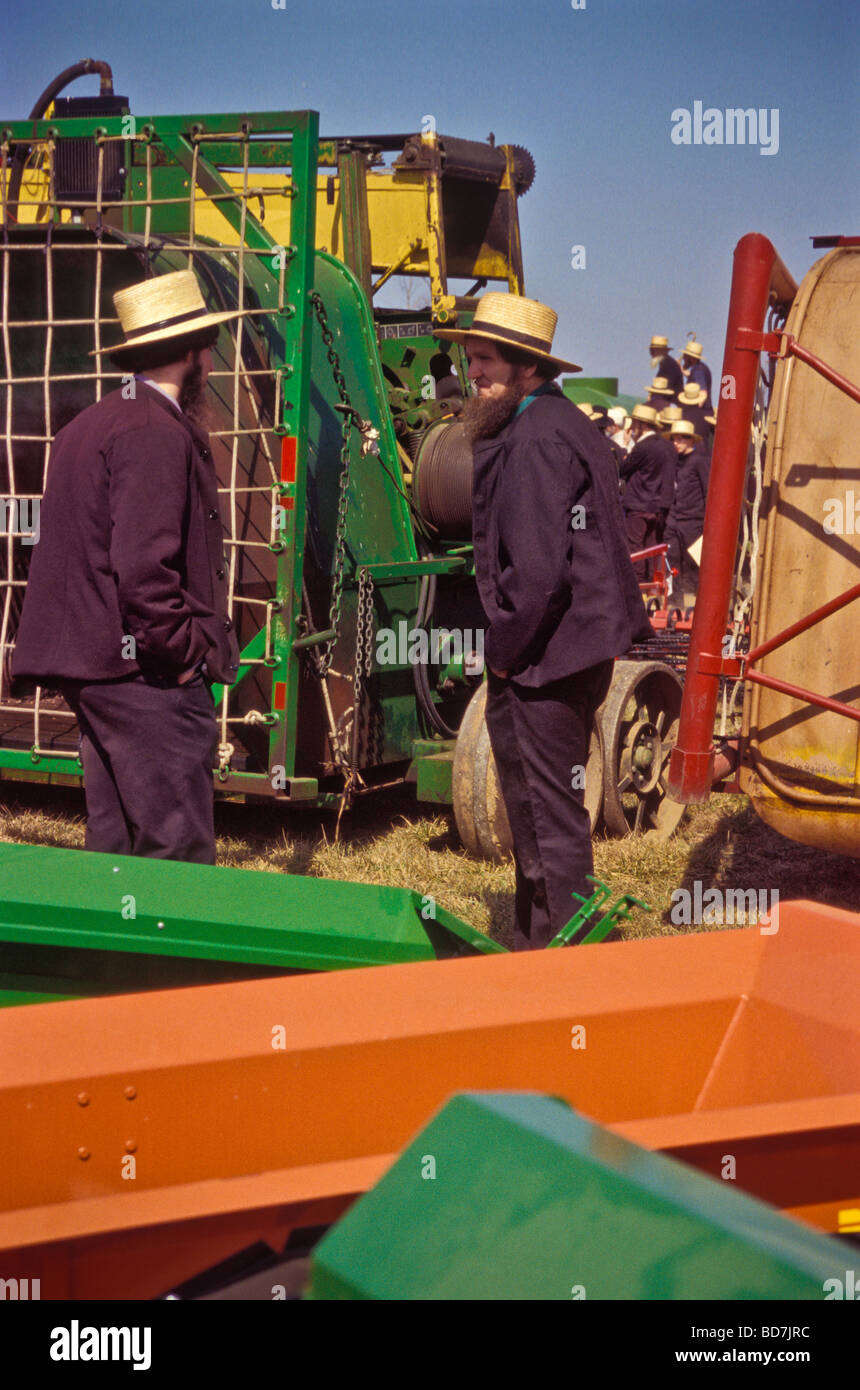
{"x": 484, "y": 416}
{"x": 193, "y": 401}
{"x": 655, "y": 362}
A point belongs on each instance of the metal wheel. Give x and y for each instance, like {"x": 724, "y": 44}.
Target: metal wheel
{"x": 479, "y": 809}
{"x": 639, "y": 718}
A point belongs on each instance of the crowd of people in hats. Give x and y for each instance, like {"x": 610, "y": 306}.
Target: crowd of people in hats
{"x": 662, "y": 451}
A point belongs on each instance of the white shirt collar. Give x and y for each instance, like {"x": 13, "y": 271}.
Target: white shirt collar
{"x": 147, "y": 381}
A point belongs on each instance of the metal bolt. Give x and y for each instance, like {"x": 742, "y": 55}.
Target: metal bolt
{"x": 83, "y": 1153}
{"x": 83, "y": 1098}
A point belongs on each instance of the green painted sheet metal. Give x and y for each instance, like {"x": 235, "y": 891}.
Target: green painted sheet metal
{"x": 514, "y": 1196}
{"x": 435, "y": 778}
{"x": 75, "y": 923}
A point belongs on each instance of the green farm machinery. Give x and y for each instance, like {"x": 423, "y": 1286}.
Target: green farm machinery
{"x": 344, "y": 473}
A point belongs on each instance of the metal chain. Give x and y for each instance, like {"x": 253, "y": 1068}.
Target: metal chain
{"x": 363, "y": 655}
{"x": 326, "y": 657}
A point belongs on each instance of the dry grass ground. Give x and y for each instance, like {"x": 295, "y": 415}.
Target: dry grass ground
{"x": 393, "y": 840}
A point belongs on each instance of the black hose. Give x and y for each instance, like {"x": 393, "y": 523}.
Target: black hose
{"x": 426, "y": 604}
{"x": 40, "y": 106}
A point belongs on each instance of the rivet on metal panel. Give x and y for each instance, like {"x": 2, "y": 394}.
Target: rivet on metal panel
{"x": 130, "y": 1092}
{"x": 83, "y": 1152}
{"x": 83, "y": 1098}
{"x": 130, "y": 1146}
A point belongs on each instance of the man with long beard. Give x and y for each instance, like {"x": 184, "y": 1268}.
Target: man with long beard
{"x": 125, "y": 610}
{"x": 558, "y": 591}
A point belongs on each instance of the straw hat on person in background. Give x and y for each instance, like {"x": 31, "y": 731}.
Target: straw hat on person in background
{"x": 692, "y": 395}
{"x": 684, "y": 429}
{"x": 693, "y": 349}
{"x": 668, "y": 415}
{"x": 516, "y": 322}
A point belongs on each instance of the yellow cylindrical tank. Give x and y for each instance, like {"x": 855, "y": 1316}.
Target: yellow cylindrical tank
{"x": 802, "y": 769}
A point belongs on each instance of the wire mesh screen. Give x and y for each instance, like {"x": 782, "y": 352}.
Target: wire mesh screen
{"x": 61, "y": 265}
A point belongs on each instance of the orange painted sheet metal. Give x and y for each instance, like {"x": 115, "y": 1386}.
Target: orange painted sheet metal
{"x": 268, "y": 1094}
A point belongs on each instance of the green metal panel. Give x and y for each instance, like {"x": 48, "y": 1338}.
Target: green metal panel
{"x": 515, "y": 1196}
{"x": 75, "y": 923}
{"x": 435, "y": 777}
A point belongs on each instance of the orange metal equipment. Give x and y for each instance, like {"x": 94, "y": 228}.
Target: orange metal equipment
{"x": 254, "y": 1109}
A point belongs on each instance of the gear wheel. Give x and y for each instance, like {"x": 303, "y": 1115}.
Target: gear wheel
{"x": 524, "y": 170}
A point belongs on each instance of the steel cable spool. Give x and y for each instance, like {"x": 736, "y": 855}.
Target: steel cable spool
{"x": 442, "y": 481}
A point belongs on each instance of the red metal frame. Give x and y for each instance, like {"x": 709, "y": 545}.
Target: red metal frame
{"x": 759, "y": 278}
{"x": 786, "y": 345}
{"x": 739, "y": 667}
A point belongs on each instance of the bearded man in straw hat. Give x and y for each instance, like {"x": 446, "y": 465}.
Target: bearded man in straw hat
{"x": 558, "y": 591}
{"x": 686, "y": 519}
{"x": 126, "y": 609}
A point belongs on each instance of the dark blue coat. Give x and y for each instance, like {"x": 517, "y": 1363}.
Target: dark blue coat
{"x": 131, "y": 544}
{"x": 557, "y": 599}
{"x": 671, "y": 371}
{"x": 650, "y": 472}
{"x": 691, "y": 491}
{"x": 700, "y": 373}
{"x": 697, "y": 416}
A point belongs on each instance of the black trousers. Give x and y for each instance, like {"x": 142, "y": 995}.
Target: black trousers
{"x": 678, "y": 537}
{"x": 539, "y": 736}
{"x": 644, "y": 529}
{"x": 147, "y": 748}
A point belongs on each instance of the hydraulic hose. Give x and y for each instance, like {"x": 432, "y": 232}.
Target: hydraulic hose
{"x": 40, "y": 106}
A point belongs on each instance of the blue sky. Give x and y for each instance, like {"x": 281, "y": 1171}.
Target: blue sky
{"x": 589, "y": 91}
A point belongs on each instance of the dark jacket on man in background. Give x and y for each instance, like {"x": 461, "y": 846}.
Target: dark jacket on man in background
{"x": 697, "y": 416}
{"x": 670, "y": 370}
{"x": 700, "y": 373}
{"x": 691, "y": 491}
{"x": 650, "y": 473}
{"x": 131, "y": 545}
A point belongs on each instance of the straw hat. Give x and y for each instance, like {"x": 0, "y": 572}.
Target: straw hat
{"x": 617, "y": 415}
{"x": 511, "y": 318}
{"x": 646, "y": 413}
{"x": 668, "y": 415}
{"x": 658, "y": 342}
{"x": 167, "y": 306}
{"x": 693, "y": 349}
{"x": 692, "y": 394}
{"x": 660, "y": 387}
{"x": 684, "y": 429}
